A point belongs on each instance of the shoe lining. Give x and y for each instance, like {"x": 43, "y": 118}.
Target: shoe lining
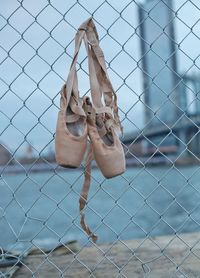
{"x": 108, "y": 139}
{"x": 76, "y": 128}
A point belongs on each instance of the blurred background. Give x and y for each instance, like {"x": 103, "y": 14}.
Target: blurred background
{"x": 152, "y": 54}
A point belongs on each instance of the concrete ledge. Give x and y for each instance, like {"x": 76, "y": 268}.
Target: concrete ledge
{"x": 166, "y": 256}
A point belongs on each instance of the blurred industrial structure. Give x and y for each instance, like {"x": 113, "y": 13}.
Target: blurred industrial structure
{"x": 172, "y": 104}
{"x": 5, "y": 155}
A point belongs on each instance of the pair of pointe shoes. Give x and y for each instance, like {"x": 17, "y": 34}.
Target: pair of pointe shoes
{"x": 80, "y": 118}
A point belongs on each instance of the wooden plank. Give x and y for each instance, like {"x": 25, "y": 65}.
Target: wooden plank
{"x": 166, "y": 256}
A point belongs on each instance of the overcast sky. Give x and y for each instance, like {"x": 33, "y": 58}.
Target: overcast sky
{"x": 33, "y": 65}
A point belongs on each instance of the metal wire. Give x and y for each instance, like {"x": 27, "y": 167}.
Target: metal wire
{"x": 36, "y": 48}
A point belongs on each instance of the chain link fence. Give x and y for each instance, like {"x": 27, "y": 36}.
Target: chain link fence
{"x": 152, "y": 54}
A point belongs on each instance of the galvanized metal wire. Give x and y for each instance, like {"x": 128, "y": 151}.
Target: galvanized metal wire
{"x": 36, "y": 48}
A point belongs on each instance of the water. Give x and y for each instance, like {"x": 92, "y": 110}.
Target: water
{"x": 43, "y": 208}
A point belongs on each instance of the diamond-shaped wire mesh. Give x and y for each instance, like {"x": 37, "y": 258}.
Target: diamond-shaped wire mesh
{"x": 152, "y": 55}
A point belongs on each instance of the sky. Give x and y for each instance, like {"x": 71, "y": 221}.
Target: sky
{"x": 36, "y": 48}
